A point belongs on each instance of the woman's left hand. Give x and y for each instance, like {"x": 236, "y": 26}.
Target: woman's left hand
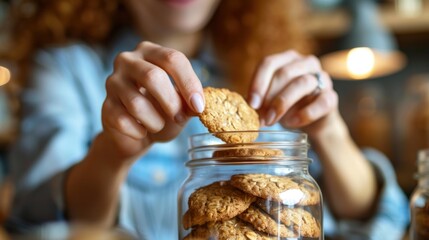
{"x": 286, "y": 89}
{"x": 294, "y": 90}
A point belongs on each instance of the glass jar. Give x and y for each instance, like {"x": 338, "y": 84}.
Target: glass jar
{"x": 258, "y": 190}
{"x": 419, "y": 202}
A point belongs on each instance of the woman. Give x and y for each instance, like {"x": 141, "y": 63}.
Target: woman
{"x": 147, "y": 81}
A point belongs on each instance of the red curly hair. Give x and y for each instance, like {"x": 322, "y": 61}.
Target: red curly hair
{"x": 244, "y": 31}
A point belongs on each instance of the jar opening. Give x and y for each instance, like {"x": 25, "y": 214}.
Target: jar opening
{"x": 280, "y": 147}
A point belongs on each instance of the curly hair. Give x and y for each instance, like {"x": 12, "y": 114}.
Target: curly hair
{"x": 246, "y": 31}
{"x": 34, "y": 24}
{"x": 243, "y": 31}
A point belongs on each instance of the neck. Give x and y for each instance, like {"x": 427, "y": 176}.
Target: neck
{"x": 186, "y": 43}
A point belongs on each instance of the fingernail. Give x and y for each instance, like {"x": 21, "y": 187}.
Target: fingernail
{"x": 271, "y": 115}
{"x": 262, "y": 123}
{"x": 255, "y": 101}
{"x": 180, "y": 118}
{"x": 197, "y": 102}
{"x": 293, "y": 121}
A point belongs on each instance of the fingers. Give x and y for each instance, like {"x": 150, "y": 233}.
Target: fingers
{"x": 320, "y": 107}
{"x": 156, "y": 81}
{"x": 139, "y": 106}
{"x": 299, "y": 67}
{"x": 265, "y": 73}
{"x": 120, "y": 120}
{"x": 275, "y": 72}
{"x": 289, "y": 73}
{"x": 177, "y": 65}
{"x": 142, "y": 99}
{"x": 283, "y": 81}
{"x": 288, "y": 97}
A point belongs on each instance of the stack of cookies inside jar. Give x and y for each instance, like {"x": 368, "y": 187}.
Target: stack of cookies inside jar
{"x": 245, "y": 183}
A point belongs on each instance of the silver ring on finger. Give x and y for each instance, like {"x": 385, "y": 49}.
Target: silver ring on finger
{"x": 320, "y": 85}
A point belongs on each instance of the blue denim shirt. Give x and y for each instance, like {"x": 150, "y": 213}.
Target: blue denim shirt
{"x": 62, "y": 114}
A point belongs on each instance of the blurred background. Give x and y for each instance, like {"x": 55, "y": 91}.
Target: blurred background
{"x": 383, "y": 83}
{"x": 384, "y": 92}
{"x": 376, "y": 51}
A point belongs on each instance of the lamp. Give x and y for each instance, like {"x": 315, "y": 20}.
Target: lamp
{"x": 4, "y": 75}
{"x": 367, "y": 49}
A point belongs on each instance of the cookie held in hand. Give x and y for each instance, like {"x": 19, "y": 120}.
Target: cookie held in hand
{"x": 227, "y": 111}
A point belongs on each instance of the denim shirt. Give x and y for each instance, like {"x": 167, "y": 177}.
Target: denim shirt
{"x": 62, "y": 114}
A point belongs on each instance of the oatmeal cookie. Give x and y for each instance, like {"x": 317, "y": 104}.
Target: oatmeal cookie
{"x": 261, "y": 221}
{"x": 226, "y": 230}
{"x": 300, "y": 220}
{"x": 215, "y": 202}
{"x": 228, "y": 111}
{"x": 276, "y": 188}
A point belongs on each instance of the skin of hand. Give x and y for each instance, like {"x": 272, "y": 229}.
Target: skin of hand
{"x": 282, "y": 90}
{"x": 142, "y": 102}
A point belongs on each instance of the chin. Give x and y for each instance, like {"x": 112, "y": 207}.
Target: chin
{"x": 185, "y": 26}
{"x": 188, "y": 29}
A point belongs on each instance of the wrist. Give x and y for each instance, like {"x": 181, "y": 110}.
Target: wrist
{"x": 92, "y": 185}
{"x": 334, "y": 131}
{"x": 105, "y": 154}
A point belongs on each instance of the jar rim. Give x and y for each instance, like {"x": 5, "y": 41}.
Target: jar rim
{"x": 292, "y": 144}
{"x": 293, "y": 131}
{"x": 299, "y": 136}
{"x": 284, "y": 161}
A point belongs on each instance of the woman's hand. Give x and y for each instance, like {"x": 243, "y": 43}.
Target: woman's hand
{"x": 285, "y": 89}
{"x": 142, "y": 104}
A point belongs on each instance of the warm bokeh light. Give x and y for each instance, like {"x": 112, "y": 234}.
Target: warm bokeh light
{"x": 360, "y": 62}
{"x": 4, "y": 75}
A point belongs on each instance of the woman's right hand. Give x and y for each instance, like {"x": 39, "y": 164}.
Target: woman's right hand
{"x": 143, "y": 105}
